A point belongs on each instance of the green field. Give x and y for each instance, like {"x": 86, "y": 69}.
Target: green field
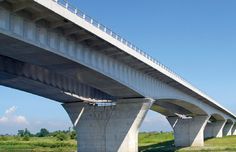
{"x": 156, "y": 142}
{"x": 36, "y": 144}
{"x": 148, "y": 142}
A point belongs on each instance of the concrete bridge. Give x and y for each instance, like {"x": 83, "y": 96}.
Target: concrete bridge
{"x": 105, "y": 83}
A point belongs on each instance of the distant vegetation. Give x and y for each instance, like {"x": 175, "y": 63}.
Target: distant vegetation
{"x": 43, "y": 141}
{"x": 64, "y": 141}
{"x": 59, "y": 135}
{"x": 37, "y": 144}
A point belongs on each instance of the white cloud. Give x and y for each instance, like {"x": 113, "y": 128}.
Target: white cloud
{"x": 21, "y": 120}
{"x": 11, "y": 121}
{"x": 10, "y": 117}
{"x": 11, "y": 110}
{"x": 3, "y": 119}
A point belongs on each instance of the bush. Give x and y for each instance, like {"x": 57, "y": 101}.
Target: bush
{"x": 26, "y": 138}
{"x": 61, "y": 136}
{"x": 18, "y": 138}
{"x": 3, "y": 138}
{"x": 73, "y": 134}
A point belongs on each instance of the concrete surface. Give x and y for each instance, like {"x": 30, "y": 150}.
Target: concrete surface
{"x": 188, "y": 132}
{"x": 111, "y": 128}
{"x": 214, "y": 129}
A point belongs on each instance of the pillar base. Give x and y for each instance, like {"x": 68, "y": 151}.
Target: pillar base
{"x": 108, "y": 129}
{"x": 188, "y": 132}
{"x": 234, "y": 130}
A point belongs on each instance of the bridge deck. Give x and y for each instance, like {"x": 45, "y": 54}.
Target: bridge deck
{"x": 76, "y": 25}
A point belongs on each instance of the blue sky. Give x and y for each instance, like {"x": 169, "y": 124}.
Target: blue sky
{"x": 197, "y": 39}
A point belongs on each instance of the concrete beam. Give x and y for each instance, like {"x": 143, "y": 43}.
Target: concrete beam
{"x": 83, "y": 37}
{"x": 188, "y": 132}
{"x": 41, "y": 16}
{"x": 60, "y": 24}
{"x": 20, "y": 6}
{"x": 214, "y": 129}
{"x": 13, "y": 71}
{"x": 108, "y": 48}
{"x": 73, "y": 31}
{"x": 97, "y": 43}
{"x": 173, "y": 108}
{"x": 112, "y": 128}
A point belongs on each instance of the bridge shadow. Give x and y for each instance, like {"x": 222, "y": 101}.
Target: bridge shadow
{"x": 167, "y": 146}
{"x": 208, "y": 138}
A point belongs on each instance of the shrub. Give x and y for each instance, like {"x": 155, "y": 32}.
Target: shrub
{"x": 3, "y": 138}
{"x": 26, "y": 138}
{"x": 61, "y": 136}
{"x": 73, "y": 134}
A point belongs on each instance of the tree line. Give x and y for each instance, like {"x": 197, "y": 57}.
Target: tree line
{"x": 59, "y": 135}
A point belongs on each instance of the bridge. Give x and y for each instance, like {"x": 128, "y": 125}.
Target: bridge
{"x": 105, "y": 83}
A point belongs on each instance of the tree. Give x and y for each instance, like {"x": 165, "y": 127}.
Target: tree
{"x": 23, "y": 133}
{"x": 43, "y": 133}
{"x": 27, "y": 132}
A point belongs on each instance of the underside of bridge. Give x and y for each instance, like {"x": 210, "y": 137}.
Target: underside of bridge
{"x": 44, "y": 53}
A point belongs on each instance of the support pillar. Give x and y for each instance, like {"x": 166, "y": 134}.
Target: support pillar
{"x": 227, "y": 131}
{"x": 234, "y": 129}
{"x": 108, "y": 128}
{"x": 188, "y": 132}
{"x": 214, "y": 129}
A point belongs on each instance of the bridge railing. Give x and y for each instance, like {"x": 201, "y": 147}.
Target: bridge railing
{"x": 103, "y": 28}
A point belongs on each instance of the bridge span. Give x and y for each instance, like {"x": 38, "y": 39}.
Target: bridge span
{"x": 105, "y": 83}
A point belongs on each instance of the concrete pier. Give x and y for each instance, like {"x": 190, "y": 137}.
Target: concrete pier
{"x": 108, "y": 128}
{"x": 227, "y": 131}
{"x": 234, "y": 130}
{"x": 214, "y": 129}
{"x": 188, "y": 132}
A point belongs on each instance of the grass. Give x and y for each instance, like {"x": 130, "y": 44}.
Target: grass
{"x": 154, "y": 142}
{"x": 225, "y": 144}
{"x": 148, "y": 142}
{"x": 35, "y": 144}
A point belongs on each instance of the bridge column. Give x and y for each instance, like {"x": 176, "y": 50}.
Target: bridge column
{"x": 234, "y": 129}
{"x": 227, "y": 131}
{"x": 214, "y": 129}
{"x": 188, "y": 132}
{"x": 108, "y": 128}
